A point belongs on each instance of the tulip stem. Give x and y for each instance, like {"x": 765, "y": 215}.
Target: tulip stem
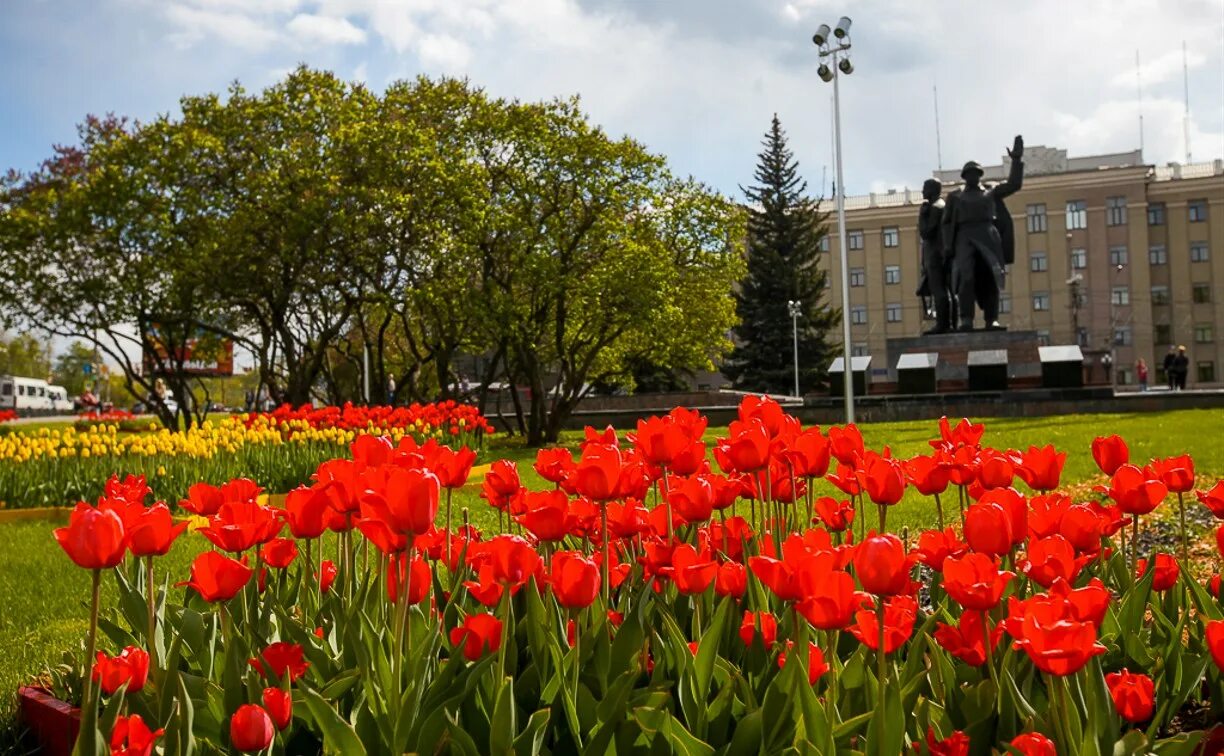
{"x": 667, "y": 503}
{"x": 988, "y": 651}
{"x": 881, "y": 672}
{"x": 150, "y": 589}
{"x": 939, "y": 511}
{"x": 607, "y": 580}
{"x": 91, "y": 645}
{"x": 1135, "y": 544}
{"x": 1185, "y": 544}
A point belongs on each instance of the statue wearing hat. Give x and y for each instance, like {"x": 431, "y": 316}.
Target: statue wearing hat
{"x": 978, "y": 240}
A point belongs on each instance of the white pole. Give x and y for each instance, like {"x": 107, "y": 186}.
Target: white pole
{"x": 365, "y": 372}
{"x": 848, "y": 375}
{"x": 795, "y": 339}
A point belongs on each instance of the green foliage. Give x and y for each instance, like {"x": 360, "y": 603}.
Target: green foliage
{"x": 23, "y": 354}
{"x": 785, "y": 230}
{"x": 74, "y": 369}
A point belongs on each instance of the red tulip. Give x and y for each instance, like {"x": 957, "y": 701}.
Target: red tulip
{"x": 829, "y": 597}
{"x": 132, "y": 737}
{"x": 511, "y": 560}
{"x": 1110, "y": 453}
{"x": 326, "y": 575}
{"x": 501, "y": 483}
{"x": 1134, "y": 696}
{"x": 306, "y": 511}
{"x": 216, "y": 577}
{"x": 151, "y": 530}
{"x": 407, "y": 502}
{"x": 598, "y": 472}
{"x": 834, "y": 515}
{"x": 899, "y": 615}
{"x": 846, "y": 479}
{"x": 1135, "y": 491}
{"x": 1213, "y": 499}
{"x": 881, "y": 565}
{"x": 1034, "y": 744}
{"x": 974, "y": 581}
{"x": 1166, "y": 572}
{"x": 692, "y": 573}
{"x": 379, "y": 532}
{"x": 988, "y": 529}
{"x": 1015, "y": 506}
{"x": 1087, "y": 604}
{"x": 964, "y": 434}
{"x": 1045, "y": 514}
{"x": 240, "y": 525}
{"x": 1083, "y": 527}
{"x": 203, "y": 500}
{"x": 546, "y": 514}
{"x": 935, "y": 546}
{"x": 554, "y": 464}
{"x": 767, "y": 624}
{"x": 692, "y": 499}
{"x": 956, "y": 744}
{"x": 94, "y": 538}
{"x": 281, "y": 658}
{"x": 808, "y": 454}
{"x": 478, "y": 633}
{"x": 251, "y": 729}
{"x": 928, "y": 474}
{"x": 846, "y": 444}
{"x": 1055, "y": 642}
{"x": 279, "y": 704}
{"x": 660, "y": 440}
{"x": 279, "y": 553}
{"x": 732, "y": 580}
{"x": 747, "y": 448}
{"x": 1177, "y": 473}
{"x": 776, "y": 575}
{"x": 966, "y": 640}
{"x": 1041, "y": 467}
{"x": 1050, "y": 559}
{"x": 816, "y": 665}
{"x": 883, "y": 479}
{"x": 996, "y": 470}
{"x": 131, "y": 666}
{"x": 419, "y": 577}
{"x": 574, "y": 579}
{"x": 1213, "y": 634}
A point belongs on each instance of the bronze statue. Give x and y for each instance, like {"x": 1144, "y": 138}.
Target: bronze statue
{"x": 933, "y": 284}
{"x": 979, "y": 240}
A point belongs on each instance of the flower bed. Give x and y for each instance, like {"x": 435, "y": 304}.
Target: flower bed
{"x": 646, "y": 602}
{"x": 49, "y": 466}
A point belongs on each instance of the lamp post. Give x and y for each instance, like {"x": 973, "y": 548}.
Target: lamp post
{"x": 793, "y": 307}
{"x": 836, "y": 49}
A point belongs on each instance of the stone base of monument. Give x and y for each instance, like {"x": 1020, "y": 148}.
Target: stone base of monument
{"x": 1023, "y": 361}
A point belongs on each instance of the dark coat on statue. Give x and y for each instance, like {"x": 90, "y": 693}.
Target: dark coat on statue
{"x": 979, "y": 221}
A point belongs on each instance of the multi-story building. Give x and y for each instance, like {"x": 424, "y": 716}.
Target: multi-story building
{"x": 1123, "y": 258}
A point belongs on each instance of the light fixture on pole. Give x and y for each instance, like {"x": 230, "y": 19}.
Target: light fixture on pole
{"x": 794, "y": 308}
{"x": 836, "y": 50}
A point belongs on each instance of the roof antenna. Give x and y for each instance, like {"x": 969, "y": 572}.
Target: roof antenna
{"x": 1139, "y": 90}
{"x": 1186, "y": 85}
{"x": 938, "y": 140}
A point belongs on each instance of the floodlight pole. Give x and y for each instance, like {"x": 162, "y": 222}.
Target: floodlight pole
{"x": 793, "y": 307}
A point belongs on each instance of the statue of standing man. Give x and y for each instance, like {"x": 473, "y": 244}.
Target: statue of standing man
{"x": 978, "y": 240}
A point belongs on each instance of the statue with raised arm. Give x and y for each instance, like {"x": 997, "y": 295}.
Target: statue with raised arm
{"x": 978, "y": 240}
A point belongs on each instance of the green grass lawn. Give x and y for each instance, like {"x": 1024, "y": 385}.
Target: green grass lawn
{"x": 43, "y": 596}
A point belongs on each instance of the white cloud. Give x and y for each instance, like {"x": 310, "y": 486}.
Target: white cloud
{"x": 442, "y": 52}
{"x": 325, "y": 30}
{"x": 237, "y": 29}
{"x": 1160, "y": 69}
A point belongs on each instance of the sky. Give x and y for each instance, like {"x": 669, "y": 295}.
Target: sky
{"x": 695, "y": 80}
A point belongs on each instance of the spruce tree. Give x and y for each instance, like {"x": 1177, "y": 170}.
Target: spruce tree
{"x": 785, "y": 229}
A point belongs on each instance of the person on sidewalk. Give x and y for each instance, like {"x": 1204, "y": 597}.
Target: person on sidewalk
{"x": 1181, "y": 366}
{"x": 1141, "y": 373}
{"x": 1168, "y": 366}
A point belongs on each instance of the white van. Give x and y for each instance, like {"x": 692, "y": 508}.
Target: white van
{"x": 32, "y": 396}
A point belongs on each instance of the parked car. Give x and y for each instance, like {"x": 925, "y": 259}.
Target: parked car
{"x": 32, "y": 396}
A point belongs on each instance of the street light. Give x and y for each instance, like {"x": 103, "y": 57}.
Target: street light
{"x": 826, "y": 72}
{"x": 793, "y": 307}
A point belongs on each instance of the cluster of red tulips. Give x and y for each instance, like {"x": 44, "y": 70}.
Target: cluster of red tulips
{"x": 655, "y": 599}
{"x": 448, "y": 417}
{"x": 7, "y": 414}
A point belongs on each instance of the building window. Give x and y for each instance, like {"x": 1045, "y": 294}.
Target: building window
{"x": 1119, "y": 296}
{"x": 1202, "y": 333}
{"x": 1038, "y": 262}
{"x": 1117, "y": 256}
{"x": 1041, "y": 301}
{"x": 858, "y": 315}
{"x": 1162, "y": 333}
{"x": 1156, "y": 214}
{"x": 1043, "y": 336}
{"x": 854, "y": 239}
{"x": 1115, "y": 211}
{"x": 1196, "y": 210}
{"x": 824, "y": 243}
{"x": 1158, "y": 255}
{"x": 1079, "y": 259}
{"x": 1005, "y": 303}
{"x": 1122, "y": 336}
{"x": 892, "y": 274}
{"x": 1206, "y": 372}
{"x": 892, "y": 313}
{"x": 1198, "y": 252}
{"x": 892, "y": 237}
{"x": 1202, "y": 293}
{"x": 1077, "y": 215}
{"x": 858, "y": 277}
{"x": 858, "y": 350}
{"x": 1160, "y": 295}
{"x": 1036, "y": 218}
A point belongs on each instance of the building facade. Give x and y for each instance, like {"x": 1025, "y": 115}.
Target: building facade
{"x": 1123, "y": 258}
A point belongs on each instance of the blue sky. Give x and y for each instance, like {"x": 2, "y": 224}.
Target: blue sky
{"x": 696, "y": 80}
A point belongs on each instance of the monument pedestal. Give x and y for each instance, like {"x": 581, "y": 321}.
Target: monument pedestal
{"x": 952, "y": 367}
